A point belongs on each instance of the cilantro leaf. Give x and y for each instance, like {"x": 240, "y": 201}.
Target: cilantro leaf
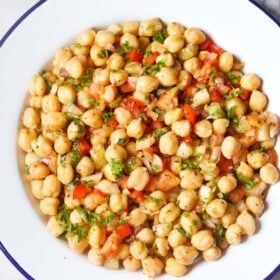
{"x": 152, "y": 69}
{"x": 104, "y": 53}
{"x": 142, "y": 116}
{"x": 248, "y": 183}
{"x": 125, "y": 47}
{"x": 190, "y": 163}
{"x": 122, "y": 141}
{"x": 220, "y": 234}
{"x": 107, "y": 116}
{"x": 183, "y": 232}
{"x": 233, "y": 79}
{"x": 93, "y": 102}
{"x": 160, "y": 36}
{"x": 117, "y": 168}
{"x": 231, "y": 117}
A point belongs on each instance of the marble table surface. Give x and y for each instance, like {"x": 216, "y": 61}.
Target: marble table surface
{"x": 9, "y": 12}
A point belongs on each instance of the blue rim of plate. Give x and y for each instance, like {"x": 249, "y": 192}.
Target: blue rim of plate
{"x": 3, "y": 40}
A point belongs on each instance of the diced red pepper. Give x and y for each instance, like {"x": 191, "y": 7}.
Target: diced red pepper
{"x": 124, "y": 231}
{"x": 137, "y": 196}
{"x": 123, "y": 182}
{"x": 149, "y": 150}
{"x": 127, "y": 87}
{"x": 215, "y": 95}
{"x": 112, "y": 122}
{"x": 134, "y": 104}
{"x": 188, "y": 139}
{"x": 214, "y": 48}
{"x": 245, "y": 94}
{"x": 273, "y": 157}
{"x": 236, "y": 195}
{"x": 151, "y": 59}
{"x": 111, "y": 245}
{"x": 225, "y": 165}
{"x": 83, "y": 147}
{"x": 205, "y": 45}
{"x": 190, "y": 114}
{"x": 189, "y": 91}
{"x": 151, "y": 186}
{"x": 136, "y": 56}
{"x": 97, "y": 196}
{"x": 165, "y": 163}
{"x": 81, "y": 191}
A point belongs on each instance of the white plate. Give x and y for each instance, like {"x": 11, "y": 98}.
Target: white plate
{"x": 237, "y": 26}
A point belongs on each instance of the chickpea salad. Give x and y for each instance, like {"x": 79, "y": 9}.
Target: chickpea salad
{"x": 148, "y": 147}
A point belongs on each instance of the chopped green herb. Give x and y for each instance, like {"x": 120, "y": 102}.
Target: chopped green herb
{"x": 93, "y": 102}
{"x": 117, "y": 168}
{"x": 122, "y": 141}
{"x": 220, "y": 236}
{"x": 214, "y": 186}
{"x": 72, "y": 184}
{"x": 84, "y": 81}
{"x": 108, "y": 219}
{"x": 125, "y": 47}
{"x": 142, "y": 138}
{"x": 155, "y": 167}
{"x": 148, "y": 53}
{"x": 123, "y": 221}
{"x": 151, "y": 199}
{"x": 195, "y": 222}
{"x": 69, "y": 82}
{"x": 233, "y": 79}
{"x": 233, "y": 93}
{"x": 222, "y": 195}
{"x": 157, "y": 110}
{"x": 142, "y": 116}
{"x": 80, "y": 231}
{"x": 213, "y": 75}
{"x": 231, "y": 117}
{"x": 183, "y": 232}
{"x": 130, "y": 164}
{"x": 248, "y": 183}
{"x": 71, "y": 102}
{"x": 73, "y": 116}
{"x": 104, "y": 53}
{"x": 190, "y": 163}
{"x": 159, "y": 132}
{"x": 147, "y": 96}
{"x": 261, "y": 150}
{"x": 77, "y": 45}
{"x": 107, "y": 116}
{"x": 160, "y": 36}
{"x": 75, "y": 157}
{"x": 154, "y": 68}
{"x": 26, "y": 169}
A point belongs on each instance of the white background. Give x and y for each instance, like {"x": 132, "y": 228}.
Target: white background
{"x": 10, "y": 11}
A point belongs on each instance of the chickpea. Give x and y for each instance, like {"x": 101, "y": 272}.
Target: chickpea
{"x": 257, "y": 159}
{"x": 118, "y": 202}
{"x": 169, "y": 213}
{"x": 77, "y": 245}
{"x": 190, "y": 222}
{"x": 86, "y": 37}
{"x": 107, "y": 187}
{"x": 146, "y": 236}
{"x": 230, "y": 216}
{"x": 76, "y": 218}
{"x": 158, "y": 199}
{"x": 49, "y": 206}
{"x": 51, "y": 186}
{"x": 96, "y": 236}
{"x": 37, "y": 86}
{"x": 225, "y": 61}
{"x": 237, "y": 106}
{"x": 74, "y": 67}
{"x": 190, "y": 179}
{"x": 269, "y": 173}
{"x": 101, "y": 76}
{"x": 175, "y": 238}
{"x": 162, "y": 230}
{"x": 184, "y": 80}
{"x": 255, "y": 204}
{"x": 31, "y": 158}
{"x": 131, "y": 264}
{"x": 119, "y": 136}
{"x": 54, "y": 120}
{"x": 233, "y": 234}
{"x": 212, "y": 254}
{"x": 247, "y": 223}
{"x": 245, "y": 170}
{"x": 85, "y": 166}
{"x": 152, "y": 266}
{"x": 147, "y": 83}
{"x": 65, "y": 173}
{"x": 55, "y": 227}
{"x": 258, "y": 101}
{"x": 192, "y": 65}
{"x": 71, "y": 203}
{"x": 175, "y": 28}
{"x": 50, "y": 103}
{"x": 174, "y": 268}
{"x": 115, "y": 151}
{"x": 92, "y": 118}
{"x": 174, "y": 43}
{"x": 168, "y": 143}
{"x": 167, "y": 58}
{"x": 216, "y": 208}
{"x": 118, "y": 77}
{"x": 187, "y": 200}
{"x": 185, "y": 254}
{"x": 203, "y": 240}
{"x": 161, "y": 246}
{"x": 31, "y": 118}
{"x": 66, "y": 94}
{"x": 75, "y": 130}
{"x": 38, "y": 171}
{"x": 135, "y": 128}
{"x": 220, "y": 126}
{"x": 181, "y": 128}
{"x": 137, "y": 217}
{"x": 227, "y": 183}
{"x": 203, "y": 129}
{"x": 167, "y": 76}
{"x": 138, "y": 178}
{"x": 173, "y": 116}
{"x": 115, "y": 62}
{"x": 150, "y": 27}
{"x": 62, "y": 144}
{"x": 36, "y": 189}
{"x": 112, "y": 264}
{"x": 95, "y": 256}
{"x": 25, "y": 138}
{"x": 90, "y": 201}
{"x": 130, "y": 27}
{"x": 134, "y": 68}
{"x": 250, "y": 81}
{"x": 42, "y": 146}
{"x": 129, "y": 39}
{"x": 123, "y": 116}
{"x": 230, "y": 147}
{"x": 97, "y": 58}
{"x": 175, "y": 164}
{"x": 35, "y": 102}
{"x": 138, "y": 250}
{"x": 115, "y": 28}
{"x": 104, "y": 38}
{"x": 194, "y": 35}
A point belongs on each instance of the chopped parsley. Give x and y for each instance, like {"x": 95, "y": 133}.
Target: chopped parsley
{"x": 73, "y": 116}
{"x": 108, "y": 219}
{"x": 72, "y": 184}
{"x": 122, "y": 141}
{"x": 151, "y": 199}
{"x": 231, "y": 117}
{"x": 182, "y": 231}
{"x": 79, "y": 84}
{"x": 125, "y": 47}
{"x": 160, "y": 36}
{"x": 71, "y": 102}
{"x": 190, "y": 163}
{"x": 117, "y": 168}
{"x": 213, "y": 75}
{"x": 159, "y": 132}
{"x": 77, "y": 45}
{"x": 130, "y": 164}
{"x": 107, "y": 116}
{"x": 152, "y": 69}
{"x": 222, "y": 195}
{"x": 104, "y": 53}
{"x": 261, "y": 150}
{"x": 220, "y": 236}
{"x": 75, "y": 157}
{"x": 93, "y": 102}
{"x": 142, "y": 116}
{"x": 233, "y": 93}
{"x": 26, "y": 169}
{"x": 157, "y": 110}
{"x": 123, "y": 221}
{"x": 248, "y": 183}
{"x": 233, "y": 79}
